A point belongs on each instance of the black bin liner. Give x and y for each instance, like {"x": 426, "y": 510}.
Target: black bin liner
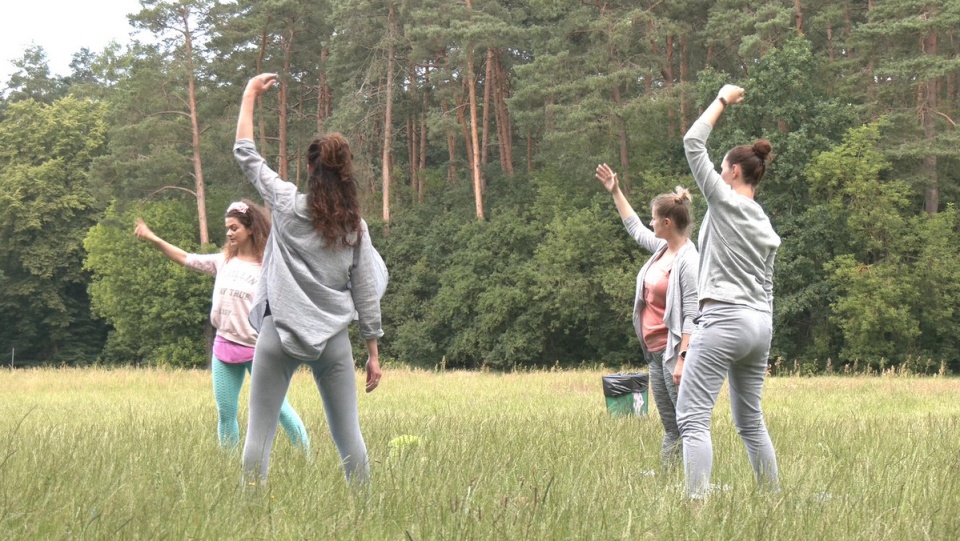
{"x": 621, "y": 384}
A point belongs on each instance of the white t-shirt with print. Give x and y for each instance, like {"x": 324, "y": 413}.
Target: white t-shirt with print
{"x": 233, "y": 293}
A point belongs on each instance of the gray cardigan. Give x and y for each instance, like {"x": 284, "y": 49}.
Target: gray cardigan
{"x": 304, "y": 279}
{"x": 681, "y": 288}
{"x": 738, "y": 245}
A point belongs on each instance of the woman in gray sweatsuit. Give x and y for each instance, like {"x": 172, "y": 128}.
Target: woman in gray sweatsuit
{"x": 665, "y": 301}
{"x": 737, "y": 249}
{"x": 303, "y": 305}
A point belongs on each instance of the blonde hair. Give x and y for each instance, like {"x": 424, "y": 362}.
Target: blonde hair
{"x": 676, "y": 206}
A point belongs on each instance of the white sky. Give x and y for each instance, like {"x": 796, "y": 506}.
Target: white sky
{"x": 62, "y": 28}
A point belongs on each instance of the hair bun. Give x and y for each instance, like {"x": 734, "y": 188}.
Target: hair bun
{"x": 682, "y": 195}
{"x": 762, "y": 148}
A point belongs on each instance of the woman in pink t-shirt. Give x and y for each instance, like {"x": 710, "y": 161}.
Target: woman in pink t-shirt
{"x": 666, "y": 297}
{"x": 237, "y": 271}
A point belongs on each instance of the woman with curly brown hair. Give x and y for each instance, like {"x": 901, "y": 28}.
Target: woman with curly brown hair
{"x": 237, "y": 271}
{"x": 319, "y": 271}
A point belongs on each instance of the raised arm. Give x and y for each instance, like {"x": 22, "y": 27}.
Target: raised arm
{"x": 728, "y": 95}
{"x": 608, "y": 178}
{"x": 695, "y": 143}
{"x": 175, "y": 254}
{"x": 635, "y": 228}
{"x": 255, "y": 87}
{"x": 276, "y": 192}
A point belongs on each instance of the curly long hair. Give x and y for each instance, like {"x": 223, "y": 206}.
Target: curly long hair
{"x": 253, "y": 217}
{"x": 333, "y": 190}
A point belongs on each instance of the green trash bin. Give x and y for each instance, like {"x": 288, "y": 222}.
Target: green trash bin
{"x": 626, "y": 394}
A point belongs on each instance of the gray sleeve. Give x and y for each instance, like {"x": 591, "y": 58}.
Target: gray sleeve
{"x": 363, "y": 279}
{"x": 640, "y": 233}
{"x": 276, "y": 193}
{"x": 689, "y": 278}
{"x": 695, "y": 146}
{"x": 768, "y": 278}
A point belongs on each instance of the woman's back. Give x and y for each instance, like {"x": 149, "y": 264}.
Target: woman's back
{"x": 304, "y": 277}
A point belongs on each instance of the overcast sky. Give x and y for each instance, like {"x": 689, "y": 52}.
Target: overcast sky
{"x": 62, "y": 28}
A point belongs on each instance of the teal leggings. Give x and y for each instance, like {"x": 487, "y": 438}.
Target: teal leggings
{"x": 227, "y": 381}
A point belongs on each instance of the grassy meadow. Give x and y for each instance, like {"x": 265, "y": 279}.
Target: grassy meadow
{"x": 132, "y": 454}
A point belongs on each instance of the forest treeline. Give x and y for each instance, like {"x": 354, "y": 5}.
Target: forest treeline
{"x": 476, "y": 126}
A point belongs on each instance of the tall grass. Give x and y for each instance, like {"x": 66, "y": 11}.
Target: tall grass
{"x": 130, "y": 454}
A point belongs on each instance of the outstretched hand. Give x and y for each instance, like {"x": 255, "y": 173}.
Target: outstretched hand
{"x": 261, "y": 83}
{"x": 142, "y": 231}
{"x": 607, "y": 177}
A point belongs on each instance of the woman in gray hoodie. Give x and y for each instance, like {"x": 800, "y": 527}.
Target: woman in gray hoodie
{"x": 737, "y": 249}
{"x": 665, "y": 301}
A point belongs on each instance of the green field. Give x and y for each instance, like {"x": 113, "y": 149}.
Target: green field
{"x": 132, "y": 454}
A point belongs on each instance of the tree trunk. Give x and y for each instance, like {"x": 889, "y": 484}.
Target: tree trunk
{"x": 465, "y": 129}
{"x": 302, "y": 91}
{"x": 451, "y": 133}
{"x": 472, "y": 96}
{"x": 624, "y": 143}
{"x": 451, "y": 145}
{"x": 529, "y": 152}
{"x": 668, "y": 83}
{"x": 830, "y": 46}
{"x": 195, "y": 130}
{"x": 388, "y": 117}
{"x": 261, "y": 124}
{"x": 423, "y": 134}
{"x": 412, "y": 148}
{"x": 323, "y": 91}
{"x": 487, "y": 87}
{"x": 798, "y": 16}
{"x": 283, "y": 159}
{"x": 501, "y": 123}
{"x": 684, "y": 66}
{"x": 504, "y": 126}
{"x": 928, "y": 109}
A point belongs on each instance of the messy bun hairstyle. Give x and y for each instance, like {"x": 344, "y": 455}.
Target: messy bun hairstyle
{"x": 752, "y": 159}
{"x": 256, "y": 219}
{"x": 333, "y": 190}
{"x": 676, "y": 206}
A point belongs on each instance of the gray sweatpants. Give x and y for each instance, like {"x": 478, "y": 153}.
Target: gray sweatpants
{"x": 665, "y": 396}
{"x": 733, "y": 341}
{"x": 336, "y": 379}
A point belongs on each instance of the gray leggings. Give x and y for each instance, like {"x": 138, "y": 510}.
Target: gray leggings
{"x": 733, "y": 341}
{"x": 665, "y": 396}
{"x": 336, "y": 379}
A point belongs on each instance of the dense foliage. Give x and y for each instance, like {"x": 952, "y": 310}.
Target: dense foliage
{"x": 501, "y": 110}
